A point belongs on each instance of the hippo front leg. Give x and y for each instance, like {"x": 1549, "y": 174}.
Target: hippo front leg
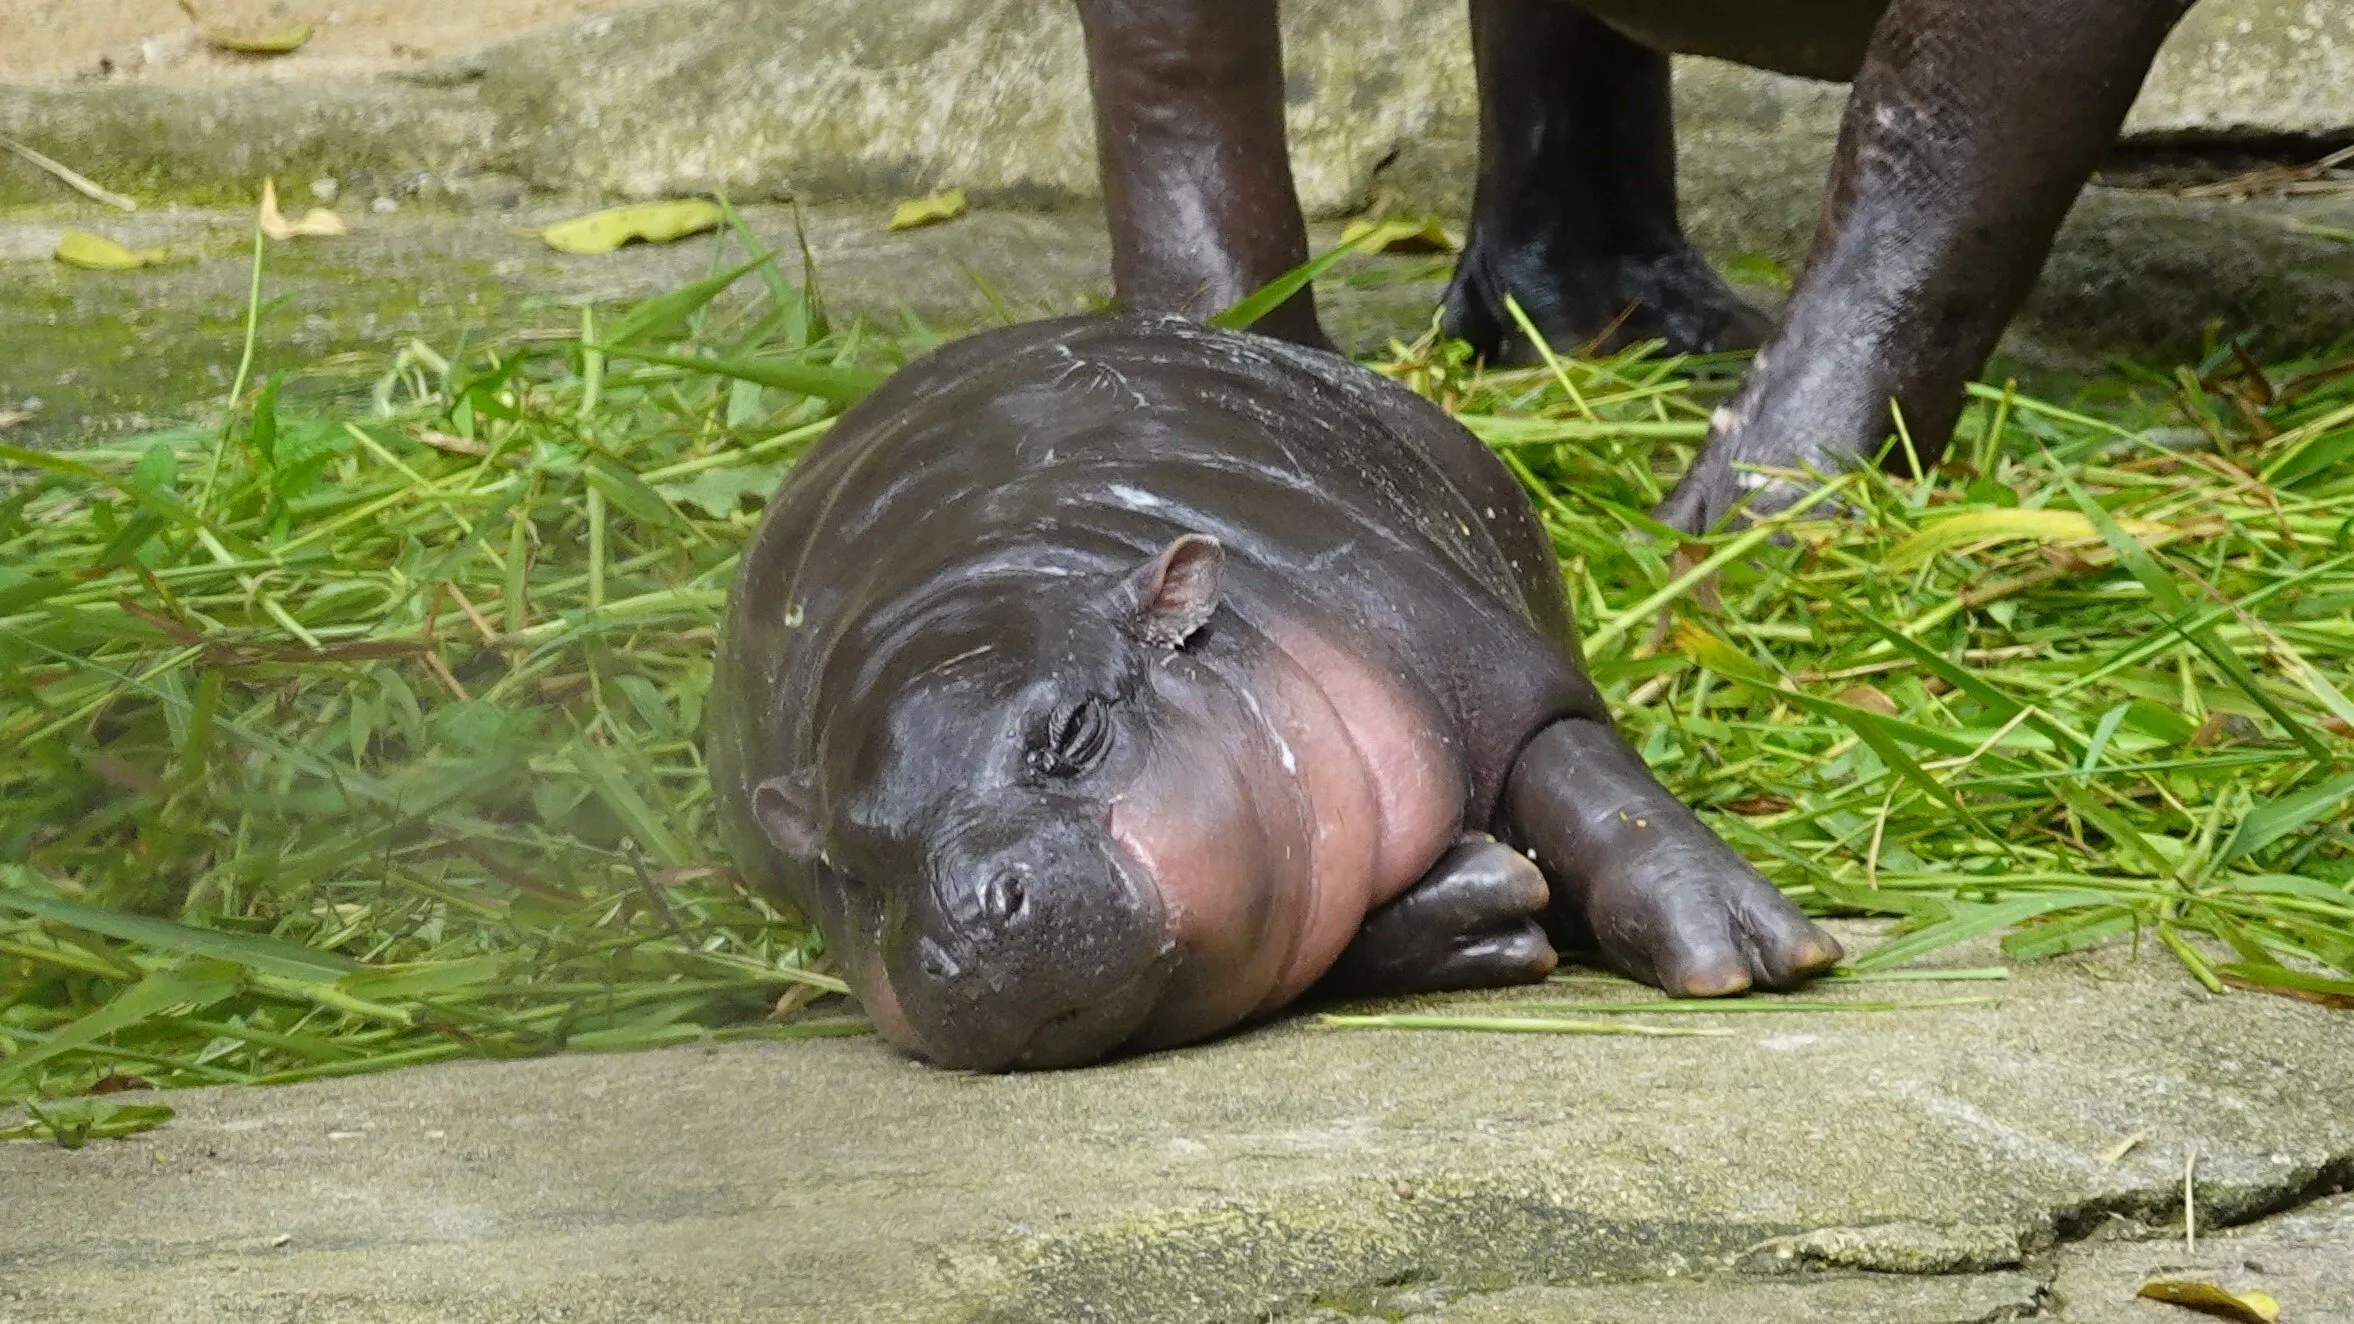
{"x": 1472, "y": 921}
{"x": 1666, "y": 900}
{"x": 1189, "y": 136}
{"x": 1970, "y": 131}
{"x": 1574, "y": 215}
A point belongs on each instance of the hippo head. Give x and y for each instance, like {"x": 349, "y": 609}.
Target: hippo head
{"x": 1049, "y": 819}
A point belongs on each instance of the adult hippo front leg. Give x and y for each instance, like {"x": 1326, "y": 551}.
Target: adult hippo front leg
{"x": 1574, "y": 214}
{"x": 1664, "y": 898}
{"x": 1971, "y": 129}
{"x": 1197, "y": 182}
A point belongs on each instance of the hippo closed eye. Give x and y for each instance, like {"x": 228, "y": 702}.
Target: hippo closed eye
{"x": 1086, "y": 720}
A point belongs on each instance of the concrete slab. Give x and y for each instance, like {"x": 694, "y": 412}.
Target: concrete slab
{"x": 1297, "y": 1172}
{"x": 1839, "y": 1299}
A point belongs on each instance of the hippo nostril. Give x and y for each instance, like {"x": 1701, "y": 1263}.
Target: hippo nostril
{"x": 1003, "y": 898}
{"x": 935, "y": 961}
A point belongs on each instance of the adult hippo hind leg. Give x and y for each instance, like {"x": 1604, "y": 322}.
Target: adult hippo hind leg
{"x": 1473, "y": 921}
{"x": 1665, "y": 900}
{"x": 1574, "y": 214}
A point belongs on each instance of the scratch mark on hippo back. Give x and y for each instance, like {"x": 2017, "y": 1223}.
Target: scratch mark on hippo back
{"x": 1133, "y": 498}
{"x": 1083, "y": 376}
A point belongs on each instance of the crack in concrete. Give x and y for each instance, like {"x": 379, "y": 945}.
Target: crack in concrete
{"x": 2154, "y": 1208}
{"x": 1864, "y": 1254}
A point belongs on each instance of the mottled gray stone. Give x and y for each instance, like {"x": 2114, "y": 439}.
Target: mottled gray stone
{"x": 2304, "y": 1259}
{"x": 2136, "y": 275}
{"x": 826, "y": 99}
{"x": 1842, "y": 1299}
{"x": 1291, "y": 1169}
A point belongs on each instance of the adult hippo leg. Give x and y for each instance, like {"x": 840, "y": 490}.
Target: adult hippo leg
{"x": 1574, "y": 214}
{"x": 1196, "y": 175}
{"x": 1970, "y": 131}
{"x": 1665, "y": 899}
{"x": 1471, "y": 922}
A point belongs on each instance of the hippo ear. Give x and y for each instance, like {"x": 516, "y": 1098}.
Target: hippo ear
{"x": 1173, "y": 594}
{"x": 783, "y": 806}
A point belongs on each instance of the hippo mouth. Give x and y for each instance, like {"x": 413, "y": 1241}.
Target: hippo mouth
{"x": 1065, "y": 1018}
{"x": 1087, "y": 1034}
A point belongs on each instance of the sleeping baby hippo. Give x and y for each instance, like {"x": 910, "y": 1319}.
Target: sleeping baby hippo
{"x": 1101, "y": 684}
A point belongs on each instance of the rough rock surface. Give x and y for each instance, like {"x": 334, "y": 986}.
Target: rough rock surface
{"x": 827, "y": 99}
{"x": 2304, "y": 1259}
{"x": 862, "y": 103}
{"x": 1941, "y": 1165}
{"x": 991, "y": 96}
{"x": 2136, "y": 274}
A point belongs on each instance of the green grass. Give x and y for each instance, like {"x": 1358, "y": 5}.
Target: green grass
{"x": 336, "y": 743}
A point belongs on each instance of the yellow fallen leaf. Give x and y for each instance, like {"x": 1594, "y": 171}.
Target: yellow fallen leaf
{"x": 643, "y": 222}
{"x": 317, "y": 223}
{"x": 1870, "y": 700}
{"x": 1399, "y": 236}
{"x": 276, "y": 41}
{"x": 915, "y": 213}
{"x": 90, "y": 252}
{"x": 2009, "y": 525}
{"x": 2207, "y": 1298}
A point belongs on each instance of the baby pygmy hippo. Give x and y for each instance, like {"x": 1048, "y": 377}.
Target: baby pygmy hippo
{"x": 1100, "y": 684}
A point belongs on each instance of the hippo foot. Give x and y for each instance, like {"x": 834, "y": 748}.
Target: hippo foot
{"x": 1715, "y": 495}
{"x": 1663, "y": 899}
{"x": 1603, "y": 303}
{"x": 1754, "y": 465}
{"x": 1472, "y": 921}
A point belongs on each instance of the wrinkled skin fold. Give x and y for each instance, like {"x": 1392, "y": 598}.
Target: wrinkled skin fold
{"x": 1102, "y": 684}
{"x": 1972, "y": 127}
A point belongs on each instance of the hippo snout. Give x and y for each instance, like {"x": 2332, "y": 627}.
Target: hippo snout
{"x": 1032, "y": 948}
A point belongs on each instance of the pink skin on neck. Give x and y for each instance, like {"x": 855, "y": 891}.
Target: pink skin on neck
{"x": 1387, "y": 793}
{"x": 1272, "y": 838}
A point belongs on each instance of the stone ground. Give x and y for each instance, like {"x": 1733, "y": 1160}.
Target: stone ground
{"x": 163, "y": 41}
{"x": 2139, "y": 274}
{"x": 438, "y": 161}
{"x": 438, "y": 128}
{"x": 1943, "y": 1166}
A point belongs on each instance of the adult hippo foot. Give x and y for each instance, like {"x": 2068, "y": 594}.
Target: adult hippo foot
{"x": 1607, "y": 303}
{"x": 1718, "y": 491}
{"x": 1798, "y": 422}
{"x": 1665, "y": 901}
{"x": 1473, "y": 921}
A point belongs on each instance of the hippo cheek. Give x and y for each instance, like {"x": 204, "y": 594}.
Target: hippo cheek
{"x": 871, "y": 985}
{"x": 1228, "y": 846}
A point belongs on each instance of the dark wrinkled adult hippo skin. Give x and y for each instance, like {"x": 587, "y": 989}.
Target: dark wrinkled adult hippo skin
{"x": 1972, "y": 127}
{"x": 1101, "y": 684}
